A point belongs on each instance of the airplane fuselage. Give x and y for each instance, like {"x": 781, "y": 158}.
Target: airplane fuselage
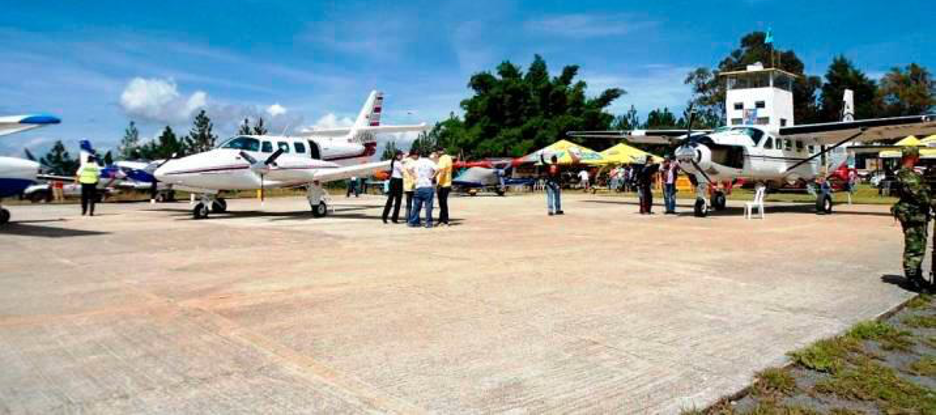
{"x": 16, "y": 175}
{"x": 751, "y": 153}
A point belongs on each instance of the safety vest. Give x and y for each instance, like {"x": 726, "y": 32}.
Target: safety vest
{"x": 89, "y": 173}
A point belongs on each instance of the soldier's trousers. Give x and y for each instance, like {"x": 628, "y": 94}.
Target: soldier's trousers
{"x": 915, "y": 235}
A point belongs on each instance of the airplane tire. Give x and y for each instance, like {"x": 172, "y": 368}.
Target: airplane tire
{"x": 4, "y": 216}
{"x": 719, "y": 201}
{"x": 219, "y": 206}
{"x": 824, "y": 204}
{"x": 200, "y": 211}
{"x": 320, "y": 210}
{"x": 500, "y": 191}
{"x": 701, "y": 209}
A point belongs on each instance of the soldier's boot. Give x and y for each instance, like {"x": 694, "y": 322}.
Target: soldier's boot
{"x": 913, "y": 279}
{"x": 920, "y": 283}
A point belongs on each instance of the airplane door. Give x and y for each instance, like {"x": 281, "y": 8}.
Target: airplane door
{"x": 314, "y": 150}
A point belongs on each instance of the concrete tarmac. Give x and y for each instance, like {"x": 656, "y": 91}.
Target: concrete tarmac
{"x": 144, "y": 310}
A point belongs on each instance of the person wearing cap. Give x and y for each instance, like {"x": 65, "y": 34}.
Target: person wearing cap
{"x": 88, "y": 175}
{"x": 913, "y": 211}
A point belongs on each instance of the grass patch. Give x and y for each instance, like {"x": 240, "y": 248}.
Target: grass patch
{"x": 921, "y": 322}
{"x": 871, "y": 382}
{"x": 772, "y": 408}
{"x": 926, "y": 366}
{"x": 845, "y": 411}
{"x": 930, "y": 341}
{"x": 889, "y": 337}
{"x": 920, "y": 301}
{"x": 774, "y": 382}
{"x": 827, "y": 355}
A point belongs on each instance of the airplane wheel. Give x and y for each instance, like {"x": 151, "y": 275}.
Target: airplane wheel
{"x": 500, "y": 191}
{"x": 219, "y": 206}
{"x": 719, "y": 201}
{"x": 4, "y": 216}
{"x": 701, "y": 209}
{"x": 200, "y": 211}
{"x": 320, "y": 210}
{"x": 824, "y": 204}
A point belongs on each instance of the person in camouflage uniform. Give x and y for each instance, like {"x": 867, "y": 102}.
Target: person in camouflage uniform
{"x": 913, "y": 212}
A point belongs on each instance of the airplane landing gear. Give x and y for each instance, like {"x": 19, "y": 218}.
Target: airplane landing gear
{"x": 701, "y": 208}
{"x": 4, "y": 216}
{"x": 219, "y": 206}
{"x": 318, "y": 200}
{"x": 719, "y": 201}
{"x": 200, "y": 211}
{"x": 824, "y": 204}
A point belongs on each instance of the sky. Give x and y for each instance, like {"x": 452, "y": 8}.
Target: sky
{"x": 100, "y": 64}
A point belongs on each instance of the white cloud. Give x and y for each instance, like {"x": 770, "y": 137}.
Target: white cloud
{"x": 584, "y": 25}
{"x": 648, "y": 87}
{"x": 331, "y": 120}
{"x": 276, "y": 110}
{"x": 159, "y": 100}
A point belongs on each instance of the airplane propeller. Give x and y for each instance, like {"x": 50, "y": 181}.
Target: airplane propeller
{"x": 261, "y": 168}
{"x": 688, "y": 138}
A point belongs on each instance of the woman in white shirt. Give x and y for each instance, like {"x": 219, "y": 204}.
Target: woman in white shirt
{"x": 395, "y": 195}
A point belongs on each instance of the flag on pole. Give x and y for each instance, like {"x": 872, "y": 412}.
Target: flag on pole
{"x": 769, "y": 39}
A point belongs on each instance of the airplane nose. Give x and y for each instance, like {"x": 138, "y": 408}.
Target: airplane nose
{"x": 163, "y": 172}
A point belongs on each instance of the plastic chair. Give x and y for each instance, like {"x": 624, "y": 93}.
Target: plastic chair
{"x": 758, "y": 202}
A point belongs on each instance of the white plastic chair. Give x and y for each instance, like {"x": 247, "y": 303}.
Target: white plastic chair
{"x": 759, "y": 192}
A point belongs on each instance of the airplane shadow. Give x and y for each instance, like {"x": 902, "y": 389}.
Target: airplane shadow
{"x": 685, "y": 209}
{"x": 28, "y": 228}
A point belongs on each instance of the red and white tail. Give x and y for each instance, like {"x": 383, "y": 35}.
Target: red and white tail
{"x": 370, "y": 112}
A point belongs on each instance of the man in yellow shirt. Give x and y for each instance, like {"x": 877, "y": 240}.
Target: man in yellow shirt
{"x": 409, "y": 182}
{"x": 88, "y": 175}
{"x": 445, "y": 184}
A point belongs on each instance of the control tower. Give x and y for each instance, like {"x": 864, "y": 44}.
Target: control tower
{"x": 759, "y": 96}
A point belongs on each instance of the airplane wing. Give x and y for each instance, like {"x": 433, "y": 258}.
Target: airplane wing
{"x": 380, "y": 129}
{"x": 19, "y": 123}
{"x": 341, "y": 173}
{"x": 863, "y": 130}
{"x": 639, "y": 136}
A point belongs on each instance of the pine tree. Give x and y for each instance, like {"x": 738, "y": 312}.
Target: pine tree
{"x": 130, "y": 143}
{"x": 259, "y": 128}
{"x": 842, "y": 75}
{"x": 389, "y": 151}
{"x": 201, "y": 138}
{"x": 59, "y": 161}
{"x": 909, "y": 91}
{"x": 245, "y": 128}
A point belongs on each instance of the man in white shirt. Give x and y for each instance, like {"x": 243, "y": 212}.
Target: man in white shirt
{"x": 583, "y": 178}
{"x": 424, "y": 170}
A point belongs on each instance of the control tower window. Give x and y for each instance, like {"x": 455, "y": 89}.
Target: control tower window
{"x": 738, "y": 106}
{"x": 737, "y": 121}
{"x": 760, "y": 104}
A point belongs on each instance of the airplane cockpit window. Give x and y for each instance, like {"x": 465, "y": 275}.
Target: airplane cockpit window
{"x": 243, "y": 143}
{"x": 755, "y": 134}
{"x": 283, "y": 146}
{"x": 267, "y": 147}
{"x": 300, "y": 148}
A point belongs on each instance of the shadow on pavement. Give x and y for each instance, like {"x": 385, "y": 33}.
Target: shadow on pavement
{"x": 29, "y": 229}
{"x": 685, "y": 209}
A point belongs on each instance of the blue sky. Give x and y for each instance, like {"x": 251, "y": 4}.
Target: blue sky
{"x": 99, "y": 64}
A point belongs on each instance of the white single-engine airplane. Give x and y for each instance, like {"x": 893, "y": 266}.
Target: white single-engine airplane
{"x": 17, "y": 174}
{"x": 260, "y": 162}
{"x": 760, "y": 142}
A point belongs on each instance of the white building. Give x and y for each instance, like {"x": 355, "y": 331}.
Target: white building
{"x": 759, "y": 96}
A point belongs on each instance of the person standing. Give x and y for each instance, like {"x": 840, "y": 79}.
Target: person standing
{"x": 424, "y": 170}
{"x": 409, "y": 182}
{"x": 353, "y": 187}
{"x": 645, "y": 185}
{"x": 88, "y": 175}
{"x": 445, "y": 184}
{"x": 913, "y": 212}
{"x": 395, "y": 193}
{"x": 583, "y": 179}
{"x": 553, "y": 185}
{"x": 670, "y": 174}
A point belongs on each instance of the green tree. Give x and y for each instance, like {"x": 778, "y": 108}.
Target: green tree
{"x": 201, "y": 138}
{"x": 245, "y": 128}
{"x": 709, "y": 91}
{"x": 259, "y": 128}
{"x": 662, "y": 119}
{"x": 130, "y": 143}
{"x": 627, "y": 121}
{"x": 843, "y": 75}
{"x": 164, "y": 146}
{"x": 908, "y": 91}
{"x": 59, "y": 162}
{"x": 512, "y": 113}
{"x": 389, "y": 151}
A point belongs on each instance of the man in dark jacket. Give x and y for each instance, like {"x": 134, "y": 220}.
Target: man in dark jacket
{"x": 645, "y": 185}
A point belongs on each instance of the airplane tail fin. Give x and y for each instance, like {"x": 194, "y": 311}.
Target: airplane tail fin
{"x": 86, "y": 150}
{"x": 368, "y": 117}
{"x": 848, "y": 106}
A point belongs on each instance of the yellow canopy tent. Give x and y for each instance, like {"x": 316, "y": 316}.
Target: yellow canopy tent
{"x": 566, "y": 153}
{"x": 927, "y": 150}
{"x": 624, "y": 154}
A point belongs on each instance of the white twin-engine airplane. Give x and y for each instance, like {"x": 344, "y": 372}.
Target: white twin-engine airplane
{"x": 760, "y": 142}
{"x": 309, "y": 159}
{"x": 17, "y": 174}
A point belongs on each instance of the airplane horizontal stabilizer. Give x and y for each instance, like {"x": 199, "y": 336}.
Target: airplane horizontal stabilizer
{"x": 380, "y": 129}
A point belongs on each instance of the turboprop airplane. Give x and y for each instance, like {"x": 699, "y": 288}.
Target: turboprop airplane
{"x": 17, "y": 174}
{"x": 313, "y": 157}
{"x": 761, "y": 143}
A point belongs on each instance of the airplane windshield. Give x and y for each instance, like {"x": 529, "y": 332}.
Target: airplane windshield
{"x": 242, "y": 143}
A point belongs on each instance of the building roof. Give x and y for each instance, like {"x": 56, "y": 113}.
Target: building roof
{"x": 752, "y": 71}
